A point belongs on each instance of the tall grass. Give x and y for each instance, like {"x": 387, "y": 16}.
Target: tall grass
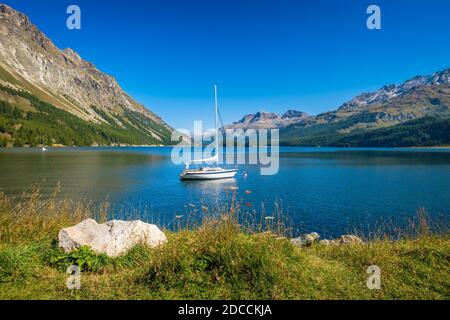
{"x": 237, "y": 211}
{"x": 33, "y": 217}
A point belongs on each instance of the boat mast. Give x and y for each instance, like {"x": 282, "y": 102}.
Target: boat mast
{"x": 216, "y": 121}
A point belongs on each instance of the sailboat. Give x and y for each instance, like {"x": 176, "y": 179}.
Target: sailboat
{"x": 214, "y": 172}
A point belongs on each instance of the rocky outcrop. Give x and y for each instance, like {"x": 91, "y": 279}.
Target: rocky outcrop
{"x": 306, "y": 239}
{"x": 309, "y": 239}
{"x": 348, "y": 239}
{"x": 112, "y": 238}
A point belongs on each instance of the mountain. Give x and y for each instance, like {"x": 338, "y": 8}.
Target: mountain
{"x": 268, "y": 120}
{"x": 42, "y": 81}
{"x": 390, "y": 92}
{"x": 422, "y": 97}
{"x": 414, "y": 113}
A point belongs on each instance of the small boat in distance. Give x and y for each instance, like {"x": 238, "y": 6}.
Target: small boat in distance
{"x": 44, "y": 149}
{"x": 209, "y": 173}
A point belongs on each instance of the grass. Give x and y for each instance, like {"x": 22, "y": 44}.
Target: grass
{"x": 216, "y": 259}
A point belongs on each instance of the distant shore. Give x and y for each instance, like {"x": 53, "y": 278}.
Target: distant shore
{"x": 60, "y": 146}
{"x": 434, "y": 147}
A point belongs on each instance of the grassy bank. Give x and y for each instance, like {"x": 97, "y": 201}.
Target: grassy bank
{"x": 216, "y": 260}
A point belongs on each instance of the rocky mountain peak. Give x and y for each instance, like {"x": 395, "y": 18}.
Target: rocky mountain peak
{"x": 290, "y": 114}
{"x": 10, "y": 13}
{"x": 264, "y": 115}
{"x": 17, "y": 24}
{"x": 389, "y": 92}
{"x": 268, "y": 120}
{"x": 61, "y": 77}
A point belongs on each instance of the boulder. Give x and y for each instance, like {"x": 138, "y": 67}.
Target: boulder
{"x": 349, "y": 239}
{"x": 306, "y": 239}
{"x": 327, "y": 242}
{"x": 343, "y": 240}
{"x": 112, "y": 238}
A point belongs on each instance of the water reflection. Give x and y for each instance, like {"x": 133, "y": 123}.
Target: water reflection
{"x": 211, "y": 188}
{"x": 81, "y": 173}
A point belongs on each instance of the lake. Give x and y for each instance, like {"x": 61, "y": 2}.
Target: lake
{"x": 328, "y": 190}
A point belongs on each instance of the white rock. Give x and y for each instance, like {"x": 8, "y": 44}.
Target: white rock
{"x": 112, "y": 238}
{"x": 350, "y": 239}
{"x": 343, "y": 240}
{"x": 327, "y": 242}
{"x": 306, "y": 239}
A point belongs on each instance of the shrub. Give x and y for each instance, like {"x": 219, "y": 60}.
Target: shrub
{"x": 85, "y": 258}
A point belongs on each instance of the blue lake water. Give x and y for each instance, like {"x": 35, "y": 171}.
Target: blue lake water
{"x": 331, "y": 191}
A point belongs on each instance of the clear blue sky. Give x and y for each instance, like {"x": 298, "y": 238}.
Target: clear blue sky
{"x": 265, "y": 55}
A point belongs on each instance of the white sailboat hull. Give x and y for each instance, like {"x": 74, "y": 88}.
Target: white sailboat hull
{"x": 208, "y": 174}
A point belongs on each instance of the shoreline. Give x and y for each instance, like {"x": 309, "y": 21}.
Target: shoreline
{"x": 219, "y": 259}
{"x": 434, "y": 147}
{"x": 166, "y": 146}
